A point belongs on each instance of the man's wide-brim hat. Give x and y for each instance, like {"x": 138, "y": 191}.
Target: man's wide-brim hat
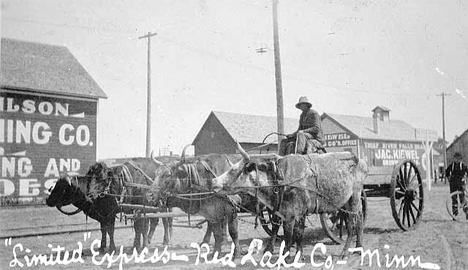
{"x": 457, "y": 155}
{"x": 303, "y": 100}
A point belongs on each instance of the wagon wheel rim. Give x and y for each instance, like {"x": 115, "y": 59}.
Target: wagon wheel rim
{"x": 267, "y": 224}
{"x": 68, "y": 213}
{"x": 407, "y": 194}
{"x": 461, "y": 209}
{"x": 334, "y": 224}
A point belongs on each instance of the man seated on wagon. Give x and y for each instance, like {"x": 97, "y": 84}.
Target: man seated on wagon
{"x": 309, "y": 136}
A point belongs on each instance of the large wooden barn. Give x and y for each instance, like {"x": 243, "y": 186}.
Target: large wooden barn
{"x": 48, "y": 122}
{"x": 379, "y": 140}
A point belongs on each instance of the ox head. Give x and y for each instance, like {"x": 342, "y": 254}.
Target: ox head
{"x": 246, "y": 175}
{"x": 63, "y": 193}
{"x": 167, "y": 179}
{"x": 100, "y": 177}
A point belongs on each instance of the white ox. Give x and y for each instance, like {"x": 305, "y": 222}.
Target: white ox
{"x": 297, "y": 185}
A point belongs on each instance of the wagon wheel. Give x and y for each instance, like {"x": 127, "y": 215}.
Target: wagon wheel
{"x": 461, "y": 211}
{"x": 334, "y": 223}
{"x": 266, "y": 221}
{"x": 406, "y": 194}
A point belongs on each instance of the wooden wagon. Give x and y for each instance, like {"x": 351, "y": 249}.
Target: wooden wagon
{"x": 401, "y": 183}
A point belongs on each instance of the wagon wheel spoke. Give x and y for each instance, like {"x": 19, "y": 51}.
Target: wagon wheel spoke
{"x": 410, "y": 210}
{"x": 408, "y": 220}
{"x": 400, "y": 180}
{"x": 416, "y": 208}
{"x": 399, "y": 192}
{"x": 407, "y": 174}
{"x": 412, "y": 179}
{"x": 400, "y": 209}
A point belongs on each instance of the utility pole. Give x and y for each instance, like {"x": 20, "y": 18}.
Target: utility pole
{"x": 279, "y": 86}
{"x": 443, "y": 130}
{"x": 148, "y": 96}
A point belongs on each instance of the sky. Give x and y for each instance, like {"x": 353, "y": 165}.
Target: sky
{"x": 347, "y": 56}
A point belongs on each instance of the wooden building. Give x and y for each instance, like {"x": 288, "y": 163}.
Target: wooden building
{"x": 460, "y": 144}
{"x": 379, "y": 140}
{"x": 48, "y": 122}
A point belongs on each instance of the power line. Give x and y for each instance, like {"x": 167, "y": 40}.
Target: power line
{"x": 183, "y": 45}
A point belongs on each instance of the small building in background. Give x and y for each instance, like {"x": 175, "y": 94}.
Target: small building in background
{"x": 48, "y": 122}
{"x": 460, "y": 144}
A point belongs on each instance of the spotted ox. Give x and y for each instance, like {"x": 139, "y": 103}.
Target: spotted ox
{"x": 193, "y": 175}
{"x": 297, "y": 185}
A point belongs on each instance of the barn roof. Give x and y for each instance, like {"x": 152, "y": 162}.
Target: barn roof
{"x": 382, "y": 108}
{"x": 247, "y": 128}
{"x": 44, "y": 68}
{"x": 393, "y": 130}
{"x": 465, "y": 133}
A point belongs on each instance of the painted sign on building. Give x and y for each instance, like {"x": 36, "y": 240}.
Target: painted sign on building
{"x": 340, "y": 140}
{"x": 41, "y": 137}
{"x": 387, "y": 153}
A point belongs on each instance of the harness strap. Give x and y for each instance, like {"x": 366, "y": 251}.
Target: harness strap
{"x": 207, "y": 166}
{"x": 141, "y": 171}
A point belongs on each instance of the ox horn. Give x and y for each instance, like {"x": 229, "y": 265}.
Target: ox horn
{"x": 155, "y": 160}
{"x": 242, "y": 152}
{"x": 182, "y": 157}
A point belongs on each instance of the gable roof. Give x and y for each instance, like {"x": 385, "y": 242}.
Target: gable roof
{"x": 381, "y": 108}
{"x": 246, "y": 128}
{"x": 465, "y": 133}
{"x": 393, "y": 130}
{"x": 44, "y": 68}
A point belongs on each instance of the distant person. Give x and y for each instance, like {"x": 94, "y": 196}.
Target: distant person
{"x": 455, "y": 173}
{"x": 309, "y": 135}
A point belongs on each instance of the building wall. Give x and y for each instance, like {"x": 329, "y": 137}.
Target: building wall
{"x": 459, "y": 145}
{"x": 41, "y": 137}
{"x": 214, "y": 138}
{"x": 338, "y": 139}
{"x": 376, "y": 153}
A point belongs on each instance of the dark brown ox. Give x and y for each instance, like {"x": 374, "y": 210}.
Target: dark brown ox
{"x": 73, "y": 190}
{"x": 118, "y": 182}
{"x": 296, "y": 185}
{"x": 193, "y": 175}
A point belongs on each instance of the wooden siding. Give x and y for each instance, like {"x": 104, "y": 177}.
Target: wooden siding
{"x": 42, "y": 137}
{"x": 213, "y": 138}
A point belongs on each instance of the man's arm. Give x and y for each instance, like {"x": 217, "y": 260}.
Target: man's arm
{"x": 464, "y": 169}
{"x": 447, "y": 171}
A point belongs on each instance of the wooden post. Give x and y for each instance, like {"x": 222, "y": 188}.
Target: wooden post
{"x": 148, "y": 102}
{"x": 279, "y": 86}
